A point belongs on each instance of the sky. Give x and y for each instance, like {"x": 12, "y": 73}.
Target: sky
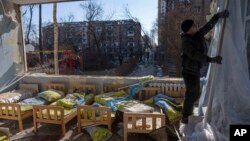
{"x": 144, "y": 10}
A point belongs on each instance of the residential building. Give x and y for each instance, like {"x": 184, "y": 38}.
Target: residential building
{"x": 70, "y": 34}
{"x": 170, "y": 15}
{"x": 113, "y": 37}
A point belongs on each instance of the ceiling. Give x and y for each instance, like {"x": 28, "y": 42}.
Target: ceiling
{"x": 25, "y": 2}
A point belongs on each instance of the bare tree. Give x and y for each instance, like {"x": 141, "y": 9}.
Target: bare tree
{"x": 40, "y": 34}
{"x": 96, "y": 34}
{"x": 56, "y": 65}
{"x": 69, "y": 18}
{"x": 130, "y": 16}
{"x": 94, "y": 12}
{"x": 28, "y": 21}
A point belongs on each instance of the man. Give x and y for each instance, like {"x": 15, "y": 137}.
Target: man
{"x": 194, "y": 51}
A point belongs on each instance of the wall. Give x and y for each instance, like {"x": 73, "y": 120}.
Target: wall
{"x": 97, "y": 80}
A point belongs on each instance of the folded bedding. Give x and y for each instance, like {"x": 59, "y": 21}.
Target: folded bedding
{"x": 103, "y": 99}
{"x": 169, "y": 106}
{"x": 121, "y": 102}
{"x": 99, "y": 133}
{"x": 112, "y": 99}
{"x": 70, "y": 102}
{"x": 16, "y": 95}
{"x": 28, "y": 103}
{"x": 135, "y": 88}
{"x": 51, "y": 95}
{"x": 43, "y": 98}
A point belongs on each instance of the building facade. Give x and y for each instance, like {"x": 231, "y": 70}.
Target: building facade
{"x": 116, "y": 37}
{"x": 170, "y": 15}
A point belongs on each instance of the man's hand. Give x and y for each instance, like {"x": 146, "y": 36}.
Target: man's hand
{"x": 216, "y": 59}
{"x": 223, "y": 14}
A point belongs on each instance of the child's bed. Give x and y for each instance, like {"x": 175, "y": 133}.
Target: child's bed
{"x": 170, "y": 99}
{"x": 133, "y": 112}
{"x": 143, "y": 122}
{"x": 89, "y": 116}
{"x": 92, "y": 116}
{"x": 58, "y": 114}
{"x": 12, "y": 111}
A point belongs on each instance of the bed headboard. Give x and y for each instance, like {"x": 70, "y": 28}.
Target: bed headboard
{"x": 84, "y": 87}
{"x": 148, "y": 92}
{"x": 170, "y": 89}
{"x": 33, "y": 87}
{"x": 55, "y": 86}
{"x": 112, "y": 87}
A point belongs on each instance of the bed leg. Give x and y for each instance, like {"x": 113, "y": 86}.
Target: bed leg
{"x": 125, "y": 127}
{"x": 109, "y": 126}
{"x": 78, "y": 127}
{"x": 63, "y": 129}
{"x": 35, "y": 126}
{"x": 125, "y": 135}
{"x": 20, "y": 122}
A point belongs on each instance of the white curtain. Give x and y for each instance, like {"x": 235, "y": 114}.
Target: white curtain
{"x": 228, "y": 84}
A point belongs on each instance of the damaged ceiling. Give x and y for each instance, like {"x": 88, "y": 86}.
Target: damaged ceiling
{"x": 25, "y": 2}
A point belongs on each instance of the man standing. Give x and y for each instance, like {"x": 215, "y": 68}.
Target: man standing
{"x": 194, "y": 53}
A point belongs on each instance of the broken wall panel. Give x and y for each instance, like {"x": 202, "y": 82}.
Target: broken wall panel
{"x": 11, "y": 43}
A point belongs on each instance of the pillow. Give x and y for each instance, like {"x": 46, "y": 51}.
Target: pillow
{"x": 149, "y": 102}
{"x": 27, "y": 103}
{"x": 68, "y": 102}
{"x": 59, "y": 92}
{"x": 89, "y": 98}
{"x": 87, "y": 91}
{"x": 99, "y": 133}
{"x": 119, "y": 94}
{"x": 80, "y": 100}
{"x": 50, "y": 95}
{"x": 3, "y": 136}
{"x": 16, "y": 95}
{"x": 171, "y": 113}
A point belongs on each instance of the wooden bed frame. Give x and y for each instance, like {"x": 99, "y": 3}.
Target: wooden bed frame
{"x": 41, "y": 113}
{"x": 55, "y": 86}
{"x": 14, "y": 110}
{"x": 136, "y": 122}
{"x": 131, "y": 119}
{"x": 84, "y": 87}
{"x": 142, "y": 122}
{"x": 147, "y": 92}
{"x": 112, "y": 87}
{"x": 170, "y": 89}
{"x": 83, "y": 119}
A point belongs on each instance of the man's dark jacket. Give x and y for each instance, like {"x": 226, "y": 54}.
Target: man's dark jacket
{"x": 194, "y": 49}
